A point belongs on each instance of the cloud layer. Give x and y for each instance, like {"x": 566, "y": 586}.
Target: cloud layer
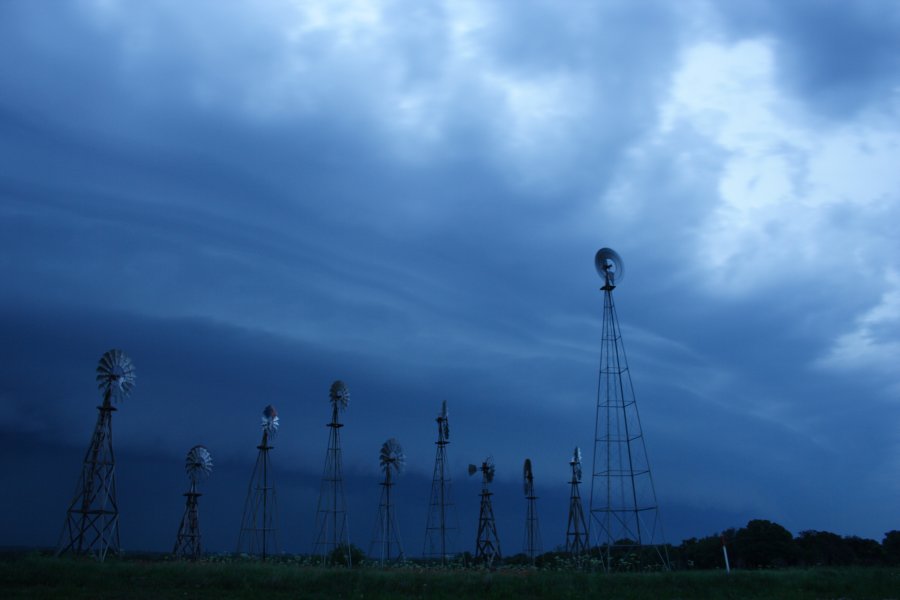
{"x": 255, "y": 199}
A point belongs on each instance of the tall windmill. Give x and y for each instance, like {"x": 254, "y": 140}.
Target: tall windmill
{"x": 386, "y": 537}
{"x": 624, "y": 515}
{"x": 92, "y": 520}
{"x": 576, "y": 531}
{"x": 487, "y": 544}
{"x": 441, "y": 517}
{"x": 332, "y": 528}
{"x": 259, "y": 534}
{"x": 198, "y": 465}
{"x": 532, "y": 545}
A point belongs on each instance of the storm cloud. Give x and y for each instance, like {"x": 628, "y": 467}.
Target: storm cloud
{"x": 257, "y": 198}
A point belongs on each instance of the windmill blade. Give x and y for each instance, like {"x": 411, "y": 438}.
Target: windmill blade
{"x": 270, "y": 420}
{"x": 393, "y": 449}
{"x": 527, "y": 476}
{"x": 400, "y": 463}
{"x": 339, "y": 395}
{"x": 115, "y": 374}
{"x": 198, "y": 464}
{"x": 472, "y": 469}
{"x": 444, "y": 421}
{"x": 392, "y": 455}
{"x": 609, "y": 265}
{"x": 576, "y": 463}
{"x": 488, "y": 468}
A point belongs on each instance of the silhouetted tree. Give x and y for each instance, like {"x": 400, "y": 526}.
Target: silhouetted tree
{"x": 821, "y": 548}
{"x": 766, "y": 544}
{"x": 763, "y": 544}
{"x": 890, "y": 547}
{"x": 703, "y": 553}
{"x": 863, "y": 552}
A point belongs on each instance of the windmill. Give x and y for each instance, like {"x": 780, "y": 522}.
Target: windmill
{"x": 332, "y": 528}
{"x": 532, "y": 545}
{"x": 487, "y": 544}
{"x": 624, "y": 515}
{"x": 440, "y": 506}
{"x": 259, "y": 534}
{"x": 386, "y": 536}
{"x": 576, "y": 531}
{"x": 198, "y": 465}
{"x": 92, "y": 520}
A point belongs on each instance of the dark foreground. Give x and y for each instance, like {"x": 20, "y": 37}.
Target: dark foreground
{"x": 34, "y": 576}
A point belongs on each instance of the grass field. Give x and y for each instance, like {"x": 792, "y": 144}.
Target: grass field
{"x": 36, "y": 576}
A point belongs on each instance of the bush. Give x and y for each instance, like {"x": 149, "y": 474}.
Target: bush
{"x": 340, "y": 556}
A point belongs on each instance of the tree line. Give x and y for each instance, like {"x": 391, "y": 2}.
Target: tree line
{"x": 764, "y": 544}
{"x": 761, "y": 544}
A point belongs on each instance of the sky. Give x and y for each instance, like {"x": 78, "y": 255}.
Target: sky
{"x": 255, "y": 198}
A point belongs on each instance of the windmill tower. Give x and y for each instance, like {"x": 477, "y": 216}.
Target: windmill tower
{"x": 198, "y": 465}
{"x": 386, "y": 537}
{"x": 624, "y": 515}
{"x": 440, "y": 506}
{"x": 487, "y": 544}
{"x": 332, "y": 529}
{"x": 92, "y": 520}
{"x": 532, "y": 545}
{"x": 259, "y": 535}
{"x": 576, "y": 531}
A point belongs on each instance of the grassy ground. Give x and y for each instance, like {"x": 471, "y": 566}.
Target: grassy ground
{"x": 33, "y": 576}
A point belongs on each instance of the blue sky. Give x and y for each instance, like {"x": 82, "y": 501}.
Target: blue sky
{"x": 254, "y": 199}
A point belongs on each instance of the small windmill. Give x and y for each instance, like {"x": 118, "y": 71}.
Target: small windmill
{"x": 387, "y": 537}
{"x": 440, "y": 506}
{"x": 92, "y": 520}
{"x": 332, "y": 528}
{"x": 576, "y": 532}
{"x": 532, "y": 545}
{"x": 259, "y": 533}
{"x": 487, "y": 544}
{"x": 198, "y": 465}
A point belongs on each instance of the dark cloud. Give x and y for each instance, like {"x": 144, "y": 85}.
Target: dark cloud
{"x": 839, "y": 58}
{"x": 253, "y": 203}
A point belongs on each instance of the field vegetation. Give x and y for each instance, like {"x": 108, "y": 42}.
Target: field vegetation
{"x": 768, "y": 563}
{"x": 41, "y": 576}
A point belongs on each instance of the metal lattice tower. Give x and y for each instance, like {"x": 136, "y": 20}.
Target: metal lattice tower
{"x": 576, "y": 531}
{"x": 259, "y": 532}
{"x": 532, "y": 544}
{"x": 198, "y": 465}
{"x": 332, "y": 527}
{"x": 487, "y": 543}
{"x": 187, "y": 542}
{"x": 440, "y": 506}
{"x": 624, "y": 515}
{"x": 386, "y": 537}
{"x": 92, "y": 520}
